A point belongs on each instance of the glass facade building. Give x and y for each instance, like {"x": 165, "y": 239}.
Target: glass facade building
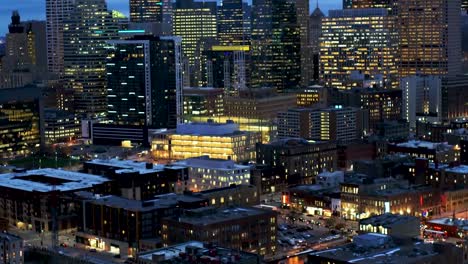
{"x": 87, "y": 29}
{"x": 360, "y": 41}
{"x": 276, "y": 59}
{"x": 20, "y": 121}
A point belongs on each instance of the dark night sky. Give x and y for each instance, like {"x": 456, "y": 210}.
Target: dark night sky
{"x": 35, "y": 9}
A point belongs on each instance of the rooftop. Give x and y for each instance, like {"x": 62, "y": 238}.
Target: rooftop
{"x": 128, "y": 165}
{"x": 210, "y": 215}
{"x": 47, "y": 180}
{"x": 180, "y": 253}
{"x": 458, "y": 169}
{"x": 423, "y": 144}
{"x": 385, "y": 251}
{"x": 207, "y": 163}
{"x": 160, "y": 201}
{"x": 208, "y": 129}
{"x": 388, "y": 220}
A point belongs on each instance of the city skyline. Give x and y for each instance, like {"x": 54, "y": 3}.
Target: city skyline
{"x": 35, "y": 10}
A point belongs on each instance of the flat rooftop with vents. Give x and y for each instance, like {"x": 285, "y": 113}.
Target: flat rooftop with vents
{"x": 48, "y": 180}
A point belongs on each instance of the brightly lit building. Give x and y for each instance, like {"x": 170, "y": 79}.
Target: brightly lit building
{"x": 20, "y": 121}
{"x": 358, "y": 40}
{"x": 218, "y": 141}
{"x": 196, "y": 23}
{"x": 362, "y": 197}
{"x": 86, "y": 31}
{"x": 430, "y": 39}
{"x": 206, "y": 174}
{"x": 203, "y": 102}
{"x": 60, "y": 126}
{"x": 312, "y": 96}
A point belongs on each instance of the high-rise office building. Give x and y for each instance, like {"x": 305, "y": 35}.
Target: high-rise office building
{"x": 25, "y": 53}
{"x": 342, "y": 124}
{"x": 143, "y": 88}
{"x": 86, "y": 31}
{"x": 227, "y": 68}
{"x": 146, "y": 11}
{"x": 57, "y": 12}
{"x": 20, "y": 49}
{"x": 368, "y": 4}
{"x": 358, "y": 42}
{"x": 196, "y": 23}
{"x": 315, "y": 25}
{"x": 233, "y": 23}
{"x": 276, "y": 50}
{"x": 422, "y": 99}
{"x": 430, "y": 39}
{"x": 20, "y": 121}
{"x": 303, "y": 21}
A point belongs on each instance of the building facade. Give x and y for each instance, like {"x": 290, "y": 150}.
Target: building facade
{"x": 371, "y": 51}
{"x": 276, "y": 40}
{"x": 205, "y": 174}
{"x": 144, "y": 87}
{"x": 218, "y": 141}
{"x": 57, "y": 12}
{"x": 343, "y": 124}
{"x": 300, "y": 160}
{"x": 21, "y": 121}
{"x": 248, "y": 229}
{"x": 85, "y": 33}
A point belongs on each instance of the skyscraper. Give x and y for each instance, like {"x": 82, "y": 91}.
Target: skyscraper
{"x": 142, "y": 76}
{"x": 226, "y": 68}
{"x": 86, "y": 31}
{"x": 276, "y": 59}
{"x": 20, "y": 46}
{"x": 56, "y": 12}
{"x": 144, "y": 88}
{"x": 430, "y": 39}
{"x": 233, "y": 23}
{"x": 302, "y": 12}
{"x": 315, "y": 24}
{"x": 368, "y": 3}
{"x": 196, "y": 23}
{"x": 142, "y": 11}
{"x": 422, "y": 99}
{"x": 358, "y": 42}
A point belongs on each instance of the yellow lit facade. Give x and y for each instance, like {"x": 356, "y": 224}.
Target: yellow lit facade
{"x": 429, "y": 37}
{"x": 237, "y": 146}
{"x": 194, "y": 22}
{"x": 358, "y": 40}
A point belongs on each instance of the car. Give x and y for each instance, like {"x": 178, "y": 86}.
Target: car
{"x": 117, "y": 256}
{"x": 93, "y": 250}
